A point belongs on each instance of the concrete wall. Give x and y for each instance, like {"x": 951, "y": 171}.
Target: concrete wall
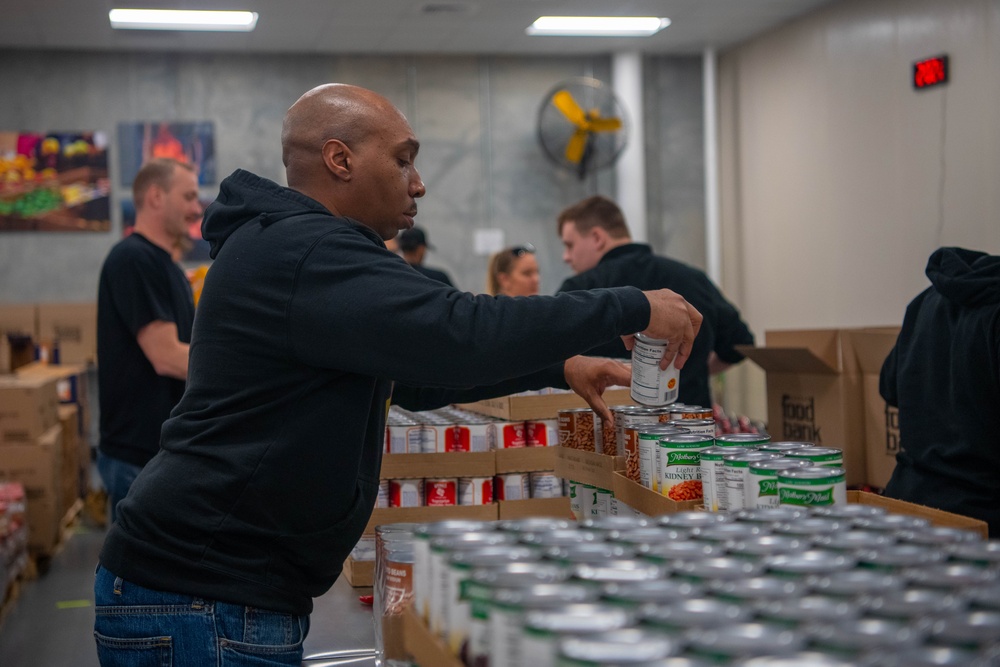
{"x": 838, "y": 178}
{"x": 475, "y": 117}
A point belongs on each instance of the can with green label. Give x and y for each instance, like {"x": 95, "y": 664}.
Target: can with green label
{"x": 812, "y": 486}
{"x": 761, "y": 487}
{"x": 680, "y": 465}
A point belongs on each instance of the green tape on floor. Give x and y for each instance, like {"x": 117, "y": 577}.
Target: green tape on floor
{"x": 72, "y": 604}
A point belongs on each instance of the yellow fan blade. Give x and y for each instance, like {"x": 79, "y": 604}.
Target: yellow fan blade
{"x": 575, "y": 147}
{"x": 605, "y": 124}
{"x": 569, "y": 108}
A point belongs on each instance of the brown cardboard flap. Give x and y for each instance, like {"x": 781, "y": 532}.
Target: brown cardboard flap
{"x": 647, "y": 501}
{"x": 872, "y": 347}
{"x": 526, "y": 459}
{"x": 448, "y": 464}
{"x": 825, "y": 344}
{"x": 935, "y": 516}
{"x": 424, "y": 647}
{"x": 520, "y": 509}
{"x": 383, "y": 515}
{"x": 788, "y": 360}
{"x": 359, "y": 573}
{"x": 588, "y": 467}
{"x": 516, "y": 408}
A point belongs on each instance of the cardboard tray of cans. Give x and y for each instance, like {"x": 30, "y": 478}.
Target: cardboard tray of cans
{"x": 547, "y": 406}
{"x": 448, "y": 464}
{"x": 647, "y": 501}
{"x": 588, "y": 467}
{"x": 424, "y": 647}
{"x": 521, "y": 509}
{"x": 935, "y": 516}
{"x": 526, "y": 459}
{"x": 383, "y": 515}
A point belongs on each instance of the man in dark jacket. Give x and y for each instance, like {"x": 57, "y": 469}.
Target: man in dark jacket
{"x": 944, "y": 376}
{"x": 269, "y": 466}
{"x": 413, "y": 245}
{"x": 600, "y": 250}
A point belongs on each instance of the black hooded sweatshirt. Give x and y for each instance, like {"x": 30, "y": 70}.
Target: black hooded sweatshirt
{"x": 269, "y": 465}
{"x": 944, "y": 376}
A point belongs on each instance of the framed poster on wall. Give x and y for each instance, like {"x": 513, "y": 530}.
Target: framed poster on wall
{"x": 190, "y": 142}
{"x": 54, "y": 182}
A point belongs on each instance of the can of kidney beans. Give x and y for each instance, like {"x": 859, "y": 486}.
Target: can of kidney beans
{"x": 441, "y": 492}
{"x": 406, "y": 492}
{"x": 475, "y": 490}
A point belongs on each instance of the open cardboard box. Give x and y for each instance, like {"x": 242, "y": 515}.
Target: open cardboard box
{"x": 28, "y": 407}
{"x": 881, "y": 420}
{"x": 518, "y": 408}
{"x": 588, "y": 467}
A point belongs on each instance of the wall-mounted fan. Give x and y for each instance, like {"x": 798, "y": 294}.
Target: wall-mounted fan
{"x": 582, "y": 126}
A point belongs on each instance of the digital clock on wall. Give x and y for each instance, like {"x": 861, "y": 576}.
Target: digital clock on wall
{"x": 930, "y": 72}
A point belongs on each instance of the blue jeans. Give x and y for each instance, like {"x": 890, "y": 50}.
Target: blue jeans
{"x": 117, "y": 476}
{"x": 139, "y": 627}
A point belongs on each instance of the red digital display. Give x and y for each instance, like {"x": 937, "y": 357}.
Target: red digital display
{"x": 930, "y": 72}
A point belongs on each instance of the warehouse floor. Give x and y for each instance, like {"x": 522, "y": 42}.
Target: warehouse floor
{"x": 51, "y": 623}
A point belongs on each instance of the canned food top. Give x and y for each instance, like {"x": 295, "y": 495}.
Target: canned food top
{"x": 770, "y": 515}
{"x": 758, "y": 588}
{"x": 579, "y": 618}
{"x": 387, "y": 529}
{"x": 720, "y": 568}
{"x": 692, "y": 423}
{"x": 969, "y": 629}
{"x": 985, "y": 597}
{"x": 771, "y": 466}
{"x": 747, "y": 639}
{"x": 715, "y": 453}
{"x": 651, "y": 431}
{"x": 914, "y": 603}
{"x": 521, "y": 574}
{"x": 690, "y": 439}
{"x": 690, "y": 519}
{"x": 695, "y": 613}
{"x": 858, "y": 582}
{"x": 592, "y": 552}
{"x": 744, "y": 459}
{"x": 559, "y": 537}
{"x": 978, "y": 552}
{"x": 892, "y": 522}
{"x": 652, "y": 535}
{"x": 816, "y": 452}
{"x": 649, "y": 340}
{"x": 951, "y": 575}
{"x": 544, "y": 596}
{"x": 469, "y": 541}
{"x": 452, "y": 527}
{"x": 812, "y": 526}
{"x": 900, "y": 555}
{"x": 785, "y": 446}
{"x": 492, "y": 555}
{"x": 576, "y": 410}
{"x": 741, "y": 439}
{"x": 768, "y": 545}
{"x": 809, "y": 609}
{"x": 628, "y": 645}
{"x": 813, "y": 561}
{"x": 534, "y": 524}
{"x": 614, "y": 522}
{"x": 660, "y": 591}
{"x": 854, "y": 540}
{"x": 619, "y": 571}
{"x": 727, "y": 532}
{"x": 644, "y": 410}
{"x": 866, "y": 633}
{"x": 850, "y": 511}
{"x": 936, "y": 535}
{"x": 928, "y": 656}
{"x": 679, "y": 550}
{"x": 812, "y": 474}
{"x": 801, "y": 659}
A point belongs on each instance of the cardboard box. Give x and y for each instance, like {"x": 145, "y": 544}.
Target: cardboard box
{"x": 359, "y": 573}
{"x": 71, "y": 328}
{"x": 814, "y": 392}
{"x": 647, "y": 501}
{"x": 38, "y": 466}
{"x": 526, "y": 459}
{"x": 423, "y": 646}
{"x": 70, "y": 475}
{"x": 19, "y": 318}
{"x": 448, "y": 464}
{"x": 522, "y": 509}
{"x": 71, "y": 379}
{"x": 935, "y": 516}
{"x": 27, "y": 407}
{"x": 881, "y": 419}
{"x": 517, "y": 408}
{"x": 383, "y": 515}
{"x": 588, "y": 467}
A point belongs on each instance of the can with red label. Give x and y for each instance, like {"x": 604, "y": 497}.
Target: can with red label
{"x": 468, "y": 437}
{"x": 511, "y": 435}
{"x": 383, "y": 493}
{"x": 542, "y": 433}
{"x": 513, "y": 486}
{"x": 475, "y": 490}
{"x": 545, "y": 484}
{"x": 440, "y": 492}
{"x": 406, "y": 493}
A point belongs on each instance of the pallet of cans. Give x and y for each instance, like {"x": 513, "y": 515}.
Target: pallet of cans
{"x": 842, "y": 584}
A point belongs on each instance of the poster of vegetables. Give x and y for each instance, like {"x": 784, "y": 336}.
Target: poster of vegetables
{"x": 54, "y": 182}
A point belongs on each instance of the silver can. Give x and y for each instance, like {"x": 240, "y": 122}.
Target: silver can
{"x": 512, "y": 486}
{"x": 628, "y": 645}
{"x": 746, "y": 640}
{"x": 542, "y": 630}
{"x": 815, "y": 485}
{"x": 475, "y": 491}
{"x": 711, "y": 460}
{"x": 651, "y": 385}
{"x": 544, "y": 484}
{"x": 705, "y": 427}
{"x": 735, "y": 469}
{"x": 761, "y": 481}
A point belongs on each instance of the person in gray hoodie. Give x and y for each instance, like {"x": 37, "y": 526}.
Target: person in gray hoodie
{"x": 944, "y": 376}
{"x": 307, "y": 328}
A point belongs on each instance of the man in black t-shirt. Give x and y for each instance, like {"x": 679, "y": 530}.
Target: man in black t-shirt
{"x": 598, "y": 247}
{"x": 145, "y": 312}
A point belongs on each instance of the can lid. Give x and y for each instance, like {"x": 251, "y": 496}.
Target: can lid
{"x": 696, "y": 612}
{"x": 627, "y": 645}
{"x": 768, "y": 466}
{"x": 812, "y": 473}
{"x": 866, "y": 633}
{"x": 813, "y": 561}
{"x": 619, "y": 571}
{"x": 687, "y": 439}
{"x": 742, "y": 438}
{"x": 579, "y": 618}
{"x": 747, "y": 639}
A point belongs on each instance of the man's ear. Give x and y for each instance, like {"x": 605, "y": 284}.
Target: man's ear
{"x": 599, "y": 236}
{"x": 154, "y": 197}
{"x": 339, "y": 159}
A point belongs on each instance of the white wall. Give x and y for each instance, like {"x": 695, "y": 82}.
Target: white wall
{"x": 838, "y": 178}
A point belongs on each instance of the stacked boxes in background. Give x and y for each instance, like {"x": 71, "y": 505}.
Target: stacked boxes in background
{"x": 62, "y": 332}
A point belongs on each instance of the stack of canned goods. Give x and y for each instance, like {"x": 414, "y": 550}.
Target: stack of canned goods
{"x": 834, "y": 585}
{"x": 448, "y": 491}
{"x": 452, "y": 429}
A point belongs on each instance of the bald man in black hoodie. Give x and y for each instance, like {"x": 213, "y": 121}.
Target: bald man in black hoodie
{"x": 307, "y": 329}
{"x": 944, "y": 376}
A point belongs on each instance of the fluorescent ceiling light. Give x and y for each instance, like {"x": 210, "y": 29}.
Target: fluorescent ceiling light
{"x": 596, "y": 26}
{"x": 178, "y": 19}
